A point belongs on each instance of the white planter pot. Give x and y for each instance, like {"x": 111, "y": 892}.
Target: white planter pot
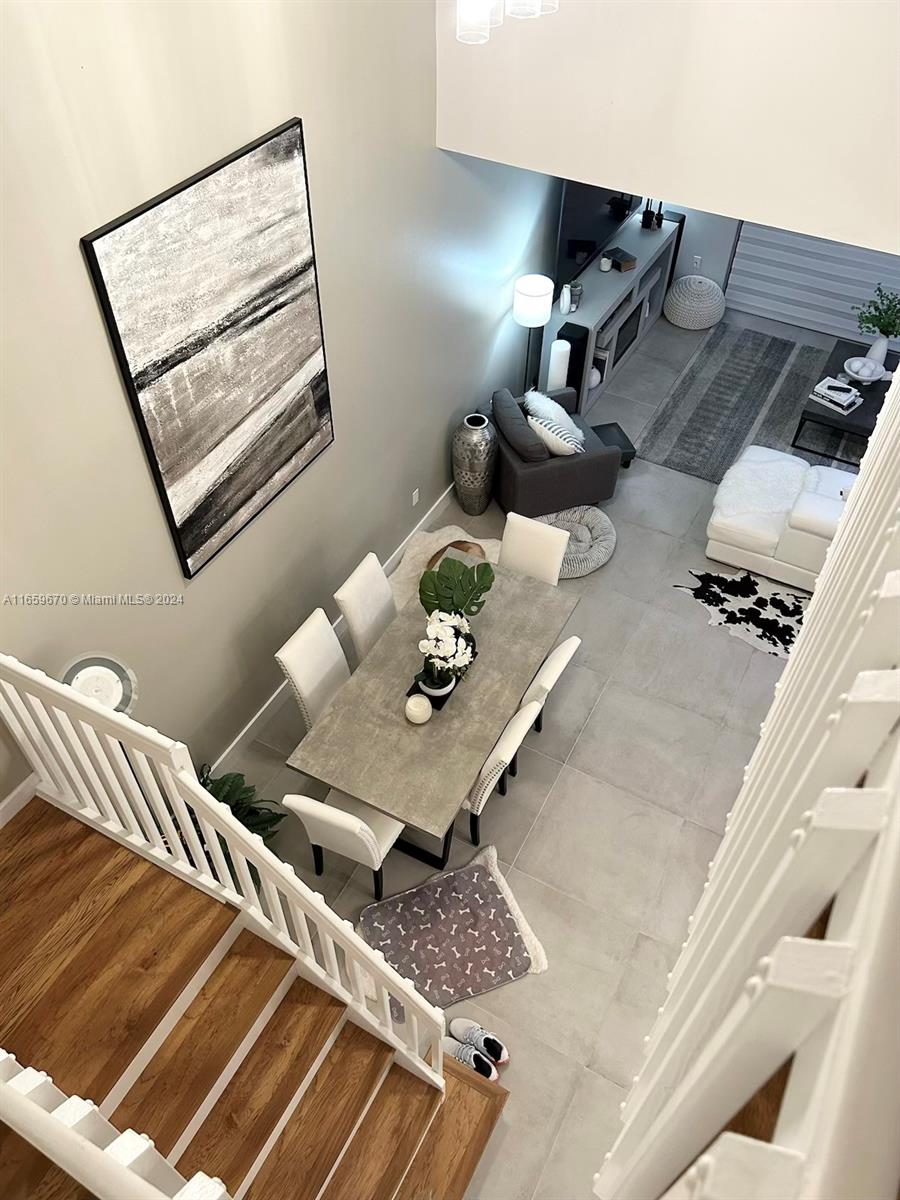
{"x": 441, "y": 691}
{"x": 878, "y": 350}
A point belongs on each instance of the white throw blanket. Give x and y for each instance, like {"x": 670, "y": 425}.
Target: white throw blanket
{"x": 419, "y": 549}
{"x": 761, "y": 487}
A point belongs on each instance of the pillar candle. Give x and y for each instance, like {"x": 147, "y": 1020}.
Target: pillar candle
{"x": 558, "y": 367}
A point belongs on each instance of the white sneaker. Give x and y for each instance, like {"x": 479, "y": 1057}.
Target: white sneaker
{"x": 470, "y": 1057}
{"x": 470, "y": 1033}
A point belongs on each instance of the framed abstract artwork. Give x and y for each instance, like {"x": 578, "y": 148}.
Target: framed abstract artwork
{"x": 211, "y": 299}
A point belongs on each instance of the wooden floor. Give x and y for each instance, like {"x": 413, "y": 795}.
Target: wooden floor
{"x": 260, "y": 1070}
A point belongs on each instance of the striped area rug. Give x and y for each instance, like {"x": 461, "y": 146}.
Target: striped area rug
{"x": 744, "y": 387}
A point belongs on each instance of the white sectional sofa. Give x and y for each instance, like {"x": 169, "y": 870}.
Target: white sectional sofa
{"x": 776, "y": 515}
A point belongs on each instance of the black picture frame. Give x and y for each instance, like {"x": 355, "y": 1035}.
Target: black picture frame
{"x": 89, "y": 244}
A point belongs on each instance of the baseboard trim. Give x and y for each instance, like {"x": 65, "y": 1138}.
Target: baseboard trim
{"x": 390, "y": 564}
{"x": 16, "y": 800}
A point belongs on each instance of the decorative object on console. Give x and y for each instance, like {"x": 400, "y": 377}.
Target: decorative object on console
{"x": 658, "y": 219}
{"x": 881, "y": 316}
{"x": 218, "y": 336}
{"x": 555, "y": 437}
{"x": 605, "y": 262}
{"x": 592, "y": 539}
{"x": 532, "y": 308}
{"x": 104, "y": 679}
{"x": 474, "y": 455}
{"x": 694, "y": 302}
{"x": 647, "y": 215}
{"x": 474, "y": 937}
{"x": 751, "y": 608}
{"x": 570, "y": 297}
{"x": 621, "y": 259}
{"x": 558, "y": 368}
{"x": 537, "y": 404}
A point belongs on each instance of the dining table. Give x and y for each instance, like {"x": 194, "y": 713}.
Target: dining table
{"x": 364, "y": 745}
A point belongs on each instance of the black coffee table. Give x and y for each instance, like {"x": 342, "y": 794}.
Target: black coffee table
{"x": 861, "y": 422}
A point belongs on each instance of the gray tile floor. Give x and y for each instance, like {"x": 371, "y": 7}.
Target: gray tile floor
{"x": 606, "y": 833}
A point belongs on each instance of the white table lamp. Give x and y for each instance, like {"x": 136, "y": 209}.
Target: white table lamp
{"x": 532, "y": 306}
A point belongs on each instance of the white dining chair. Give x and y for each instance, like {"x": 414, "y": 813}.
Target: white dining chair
{"x": 367, "y": 602}
{"x": 500, "y": 763}
{"x": 533, "y": 548}
{"x": 349, "y": 827}
{"x": 548, "y": 676}
{"x": 314, "y": 665}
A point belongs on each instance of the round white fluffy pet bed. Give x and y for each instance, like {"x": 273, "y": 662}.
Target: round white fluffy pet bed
{"x": 592, "y": 539}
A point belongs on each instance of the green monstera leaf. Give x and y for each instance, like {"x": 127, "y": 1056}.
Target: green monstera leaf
{"x": 455, "y": 587}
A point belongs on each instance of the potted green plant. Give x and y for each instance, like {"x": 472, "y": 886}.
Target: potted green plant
{"x": 881, "y": 316}
{"x": 232, "y": 789}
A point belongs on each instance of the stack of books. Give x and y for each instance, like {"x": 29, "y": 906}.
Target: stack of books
{"x": 833, "y": 393}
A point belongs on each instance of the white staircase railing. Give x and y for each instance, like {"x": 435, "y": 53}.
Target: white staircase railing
{"x": 817, "y": 822}
{"x": 140, "y": 788}
{"x": 72, "y": 1133}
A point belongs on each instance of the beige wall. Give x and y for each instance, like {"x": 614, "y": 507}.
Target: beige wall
{"x": 778, "y": 111}
{"x": 107, "y": 104}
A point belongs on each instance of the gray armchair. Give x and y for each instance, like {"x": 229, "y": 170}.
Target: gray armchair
{"x": 535, "y": 488}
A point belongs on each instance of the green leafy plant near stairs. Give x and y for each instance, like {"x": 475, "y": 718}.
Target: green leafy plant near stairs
{"x": 232, "y": 789}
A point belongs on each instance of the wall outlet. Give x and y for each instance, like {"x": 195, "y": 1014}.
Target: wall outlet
{"x": 415, "y": 497}
{"x": 698, "y": 259}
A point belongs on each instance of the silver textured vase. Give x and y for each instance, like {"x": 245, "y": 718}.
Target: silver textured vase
{"x": 474, "y": 451}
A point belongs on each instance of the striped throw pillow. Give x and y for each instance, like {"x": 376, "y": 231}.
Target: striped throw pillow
{"x": 557, "y": 440}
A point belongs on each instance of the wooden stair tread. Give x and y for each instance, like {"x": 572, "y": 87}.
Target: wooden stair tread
{"x": 455, "y": 1142}
{"x": 319, "y": 1127}
{"x": 180, "y": 1075}
{"x": 231, "y": 1137}
{"x": 384, "y": 1145}
{"x": 98, "y": 1005}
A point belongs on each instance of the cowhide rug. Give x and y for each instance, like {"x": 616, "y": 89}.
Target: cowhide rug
{"x": 753, "y": 609}
{"x": 458, "y": 934}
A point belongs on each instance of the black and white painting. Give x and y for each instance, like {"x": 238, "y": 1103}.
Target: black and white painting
{"x": 211, "y": 299}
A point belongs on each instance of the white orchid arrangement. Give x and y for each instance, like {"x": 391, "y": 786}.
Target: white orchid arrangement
{"x": 448, "y": 646}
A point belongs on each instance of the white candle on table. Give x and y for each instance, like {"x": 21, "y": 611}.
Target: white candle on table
{"x": 558, "y": 367}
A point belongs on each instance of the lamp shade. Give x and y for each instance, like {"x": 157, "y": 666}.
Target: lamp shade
{"x": 532, "y": 300}
{"x": 473, "y": 21}
{"x": 523, "y": 8}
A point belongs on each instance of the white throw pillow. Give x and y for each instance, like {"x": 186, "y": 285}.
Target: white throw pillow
{"x": 536, "y": 404}
{"x": 557, "y": 440}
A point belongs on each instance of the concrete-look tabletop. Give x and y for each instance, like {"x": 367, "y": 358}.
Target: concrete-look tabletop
{"x": 421, "y": 774}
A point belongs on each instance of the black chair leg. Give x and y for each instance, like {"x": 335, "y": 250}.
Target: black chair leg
{"x": 501, "y": 786}
{"x": 378, "y": 877}
{"x": 475, "y": 828}
{"x": 514, "y": 766}
{"x": 539, "y": 723}
{"x": 318, "y": 859}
